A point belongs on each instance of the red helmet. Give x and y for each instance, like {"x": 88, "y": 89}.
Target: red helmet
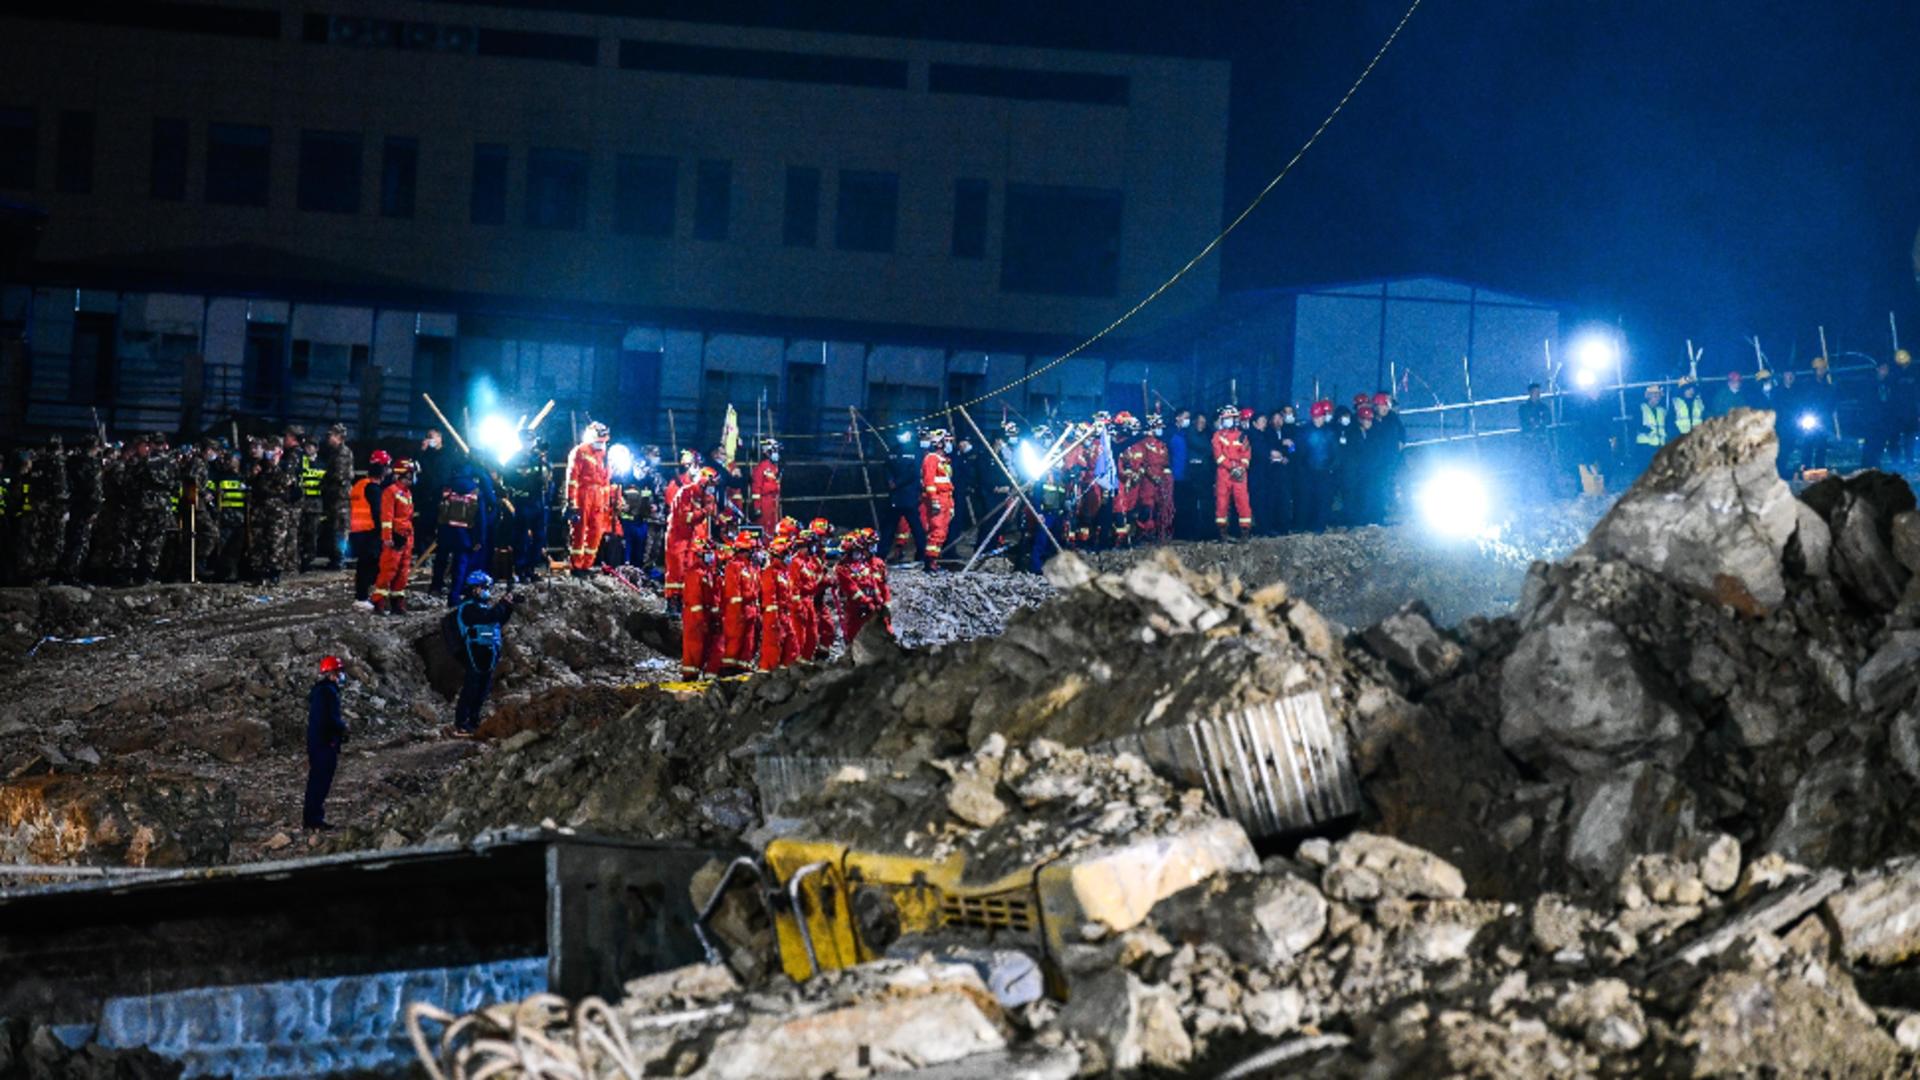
{"x": 331, "y": 664}
{"x": 1321, "y": 408}
{"x": 379, "y": 457}
{"x": 778, "y": 545}
{"x": 1734, "y": 376}
{"x": 1382, "y": 398}
{"x": 1364, "y": 412}
{"x": 1359, "y": 399}
{"x": 820, "y": 527}
{"x": 1246, "y": 414}
{"x": 403, "y": 467}
{"x": 746, "y": 541}
{"x": 786, "y": 527}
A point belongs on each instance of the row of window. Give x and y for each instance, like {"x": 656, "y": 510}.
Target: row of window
{"x": 1057, "y": 240}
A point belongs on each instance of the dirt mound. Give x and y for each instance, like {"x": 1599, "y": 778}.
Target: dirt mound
{"x": 935, "y": 609}
{"x": 592, "y": 705}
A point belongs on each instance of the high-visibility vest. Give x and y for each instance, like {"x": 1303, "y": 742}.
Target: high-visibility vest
{"x": 233, "y": 493}
{"x": 1688, "y": 414}
{"x": 360, "y": 507}
{"x": 310, "y": 478}
{"x": 1653, "y": 425}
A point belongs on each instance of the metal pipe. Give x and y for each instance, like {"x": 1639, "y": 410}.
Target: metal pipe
{"x": 799, "y": 916}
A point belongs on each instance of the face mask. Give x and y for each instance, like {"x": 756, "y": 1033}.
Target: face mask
{"x": 1182, "y": 422}
{"x": 775, "y": 456}
{"x": 1225, "y": 424}
{"x": 1345, "y": 420}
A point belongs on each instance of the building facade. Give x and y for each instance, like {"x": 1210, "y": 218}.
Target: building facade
{"x": 301, "y": 210}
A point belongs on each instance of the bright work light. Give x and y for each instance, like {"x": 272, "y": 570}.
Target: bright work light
{"x": 496, "y": 435}
{"x": 1453, "y": 502}
{"x": 620, "y": 460}
{"x": 1809, "y": 421}
{"x": 1032, "y": 460}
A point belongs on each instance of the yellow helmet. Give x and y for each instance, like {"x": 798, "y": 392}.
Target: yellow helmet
{"x": 1686, "y": 380}
{"x": 1902, "y": 357}
{"x": 1819, "y": 363}
{"x": 1763, "y": 374}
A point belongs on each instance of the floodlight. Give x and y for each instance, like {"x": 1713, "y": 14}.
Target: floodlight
{"x": 497, "y": 435}
{"x": 1453, "y": 502}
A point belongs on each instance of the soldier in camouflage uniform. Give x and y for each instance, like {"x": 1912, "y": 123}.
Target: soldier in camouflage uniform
{"x": 273, "y": 549}
{"x": 107, "y": 561}
{"x": 306, "y": 454}
{"x": 14, "y": 500}
{"x": 86, "y": 493}
{"x": 231, "y": 495}
{"x": 154, "y": 513}
{"x": 199, "y": 508}
{"x": 336, "y": 485}
{"x": 46, "y": 524}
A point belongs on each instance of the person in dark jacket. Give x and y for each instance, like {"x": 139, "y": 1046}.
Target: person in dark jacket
{"x": 1315, "y": 462}
{"x": 478, "y": 622}
{"x": 326, "y": 730}
{"x": 903, "y": 496}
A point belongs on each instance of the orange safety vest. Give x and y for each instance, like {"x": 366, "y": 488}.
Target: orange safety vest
{"x": 360, "y": 510}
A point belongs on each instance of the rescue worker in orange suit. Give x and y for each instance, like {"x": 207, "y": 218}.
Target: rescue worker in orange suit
{"x": 804, "y": 574}
{"x": 1232, "y": 457}
{"x": 589, "y": 499}
{"x": 1129, "y": 461}
{"x": 1156, "y": 458}
{"x": 776, "y": 589}
{"x": 855, "y": 583}
{"x": 363, "y": 524}
{"x": 822, "y": 532}
{"x": 396, "y": 541}
{"x": 765, "y": 485}
{"x": 882, "y": 592}
{"x": 697, "y": 596}
{"x": 936, "y": 494}
{"x": 740, "y": 603}
{"x": 687, "y": 519}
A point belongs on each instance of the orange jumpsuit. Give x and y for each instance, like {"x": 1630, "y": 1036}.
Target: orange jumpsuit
{"x": 803, "y": 574}
{"x": 766, "y": 494}
{"x": 686, "y": 519}
{"x": 776, "y": 635}
{"x": 1132, "y": 468}
{"x": 1084, "y": 508}
{"x": 396, "y": 546}
{"x": 822, "y": 608}
{"x": 936, "y": 500}
{"x": 1232, "y": 457}
{"x": 590, "y": 495}
{"x": 859, "y": 599}
{"x": 740, "y": 617}
{"x": 696, "y": 614}
{"x": 1157, "y": 497}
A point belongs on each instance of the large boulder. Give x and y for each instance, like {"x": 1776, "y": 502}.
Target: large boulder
{"x": 1878, "y": 916}
{"x": 1710, "y": 513}
{"x": 1634, "y": 809}
{"x": 1576, "y": 694}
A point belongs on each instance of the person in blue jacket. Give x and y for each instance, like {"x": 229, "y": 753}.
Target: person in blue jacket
{"x": 326, "y": 730}
{"x": 478, "y": 623}
{"x": 466, "y": 525}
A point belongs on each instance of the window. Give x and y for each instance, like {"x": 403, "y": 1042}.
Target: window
{"x": 829, "y": 68}
{"x": 18, "y": 143}
{"x": 533, "y": 45}
{"x": 1061, "y": 241}
{"x": 489, "y": 203}
{"x": 802, "y": 227}
{"x": 168, "y": 178}
{"x": 869, "y": 202}
{"x": 329, "y": 172}
{"x": 239, "y": 158}
{"x": 645, "y": 189}
{"x": 73, "y": 156}
{"x": 1027, "y": 84}
{"x": 556, "y": 189}
{"x": 969, "y": 219}
{"x": 713, "y": 200}
{"x": 399, "y": 176}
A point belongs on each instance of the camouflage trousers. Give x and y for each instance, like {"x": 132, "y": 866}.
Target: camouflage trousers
{"x": 41, "y": 540}
{"x": 272, "y": 546}
{"x": 81, "y": 522}
{"x": 143, "y": 542}
{"x": 311, "y": 518}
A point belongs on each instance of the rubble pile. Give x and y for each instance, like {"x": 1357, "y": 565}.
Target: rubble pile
{"x": 1356, "y": 577}
{"x": 934, "y": 609}
{"x": 1359, "y": 956}
{"x": 37, "y": 1053}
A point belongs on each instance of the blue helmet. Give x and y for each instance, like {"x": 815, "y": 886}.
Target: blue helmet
{"x": 479, "y": 579}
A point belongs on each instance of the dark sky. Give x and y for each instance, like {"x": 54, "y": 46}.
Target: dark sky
{"x": 1695, "y": 168}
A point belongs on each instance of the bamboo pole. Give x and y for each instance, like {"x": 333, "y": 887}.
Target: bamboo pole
{"x": 448, "y": 424}
{"x": 1894, "y": 326}
{"x": 1018, "y": 490}
{"x": 860, "y": 448}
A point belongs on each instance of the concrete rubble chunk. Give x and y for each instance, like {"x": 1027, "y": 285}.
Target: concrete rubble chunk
{"x": 1367, "y": 866}
{"x": 1878, "y": 916}
{"x": 1258, "y": 918}
{"x": 1890, "y": 675}
{"x": 1771, "y": 913}
{"x": 1711, "y": 513}
{"x": 1576, "y": 694}
{"x": 1637, "y": 808}
{"x": 1130, "y": 1023}
{"x": 1604, "y": 1014}
{"x": 1407, "y": 640}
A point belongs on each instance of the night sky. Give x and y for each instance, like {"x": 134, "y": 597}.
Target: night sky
{"x": 1693, "y": 168}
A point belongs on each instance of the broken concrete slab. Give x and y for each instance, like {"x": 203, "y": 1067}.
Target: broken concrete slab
{"x": 1576, "y": 694}
{"x": 1878, "y": 915}
{"x": 1368, "y": 867}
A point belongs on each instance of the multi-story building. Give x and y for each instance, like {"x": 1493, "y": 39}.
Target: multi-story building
{"x": 307, "y": 210}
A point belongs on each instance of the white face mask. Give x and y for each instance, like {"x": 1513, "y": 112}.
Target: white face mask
{"x": 1226, "y": 425}
{"x": 1183, "y": 422}
{"x": 1345, "y": 420}
{"x": 775, "y": 456}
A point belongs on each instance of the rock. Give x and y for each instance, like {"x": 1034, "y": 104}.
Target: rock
{"x": 1662, "y": 879}
{"x": 1878, "y": 916}
{"x": 278, "y": 841}
{"x": 971, "y": 799}
{"x": 235, "y": 740}
{"x": 1260, "y": 919}
{"x": 1370, "y": 867}
{"x": 1835, "y": 815}
{"x": 1636, "y": 808}
{"x": 1719, "y": 863}
{"x": 1315, "y": 635}
{"x": 1810, "y": 552}
{"x": 1273, "y": 1012}
{"x": 1161, "y": 585}
{"x": 1710, "y": 512}
{"x": 1067, "y": 571}
{"x": 518, "y": 741}
{"x": 1747, "y": 1023}
{"x": 1889, "y": 676}
{"x": 1861, "y": 557}
{"x": 1408, "y": 641}
{"x": 1578, "y": 695}
{"x": 1130, "y": 1023}
{"x": 1903, "y": 740}
{"x": 1907, "y": 1033}
{"x": 1604, "y": 1015}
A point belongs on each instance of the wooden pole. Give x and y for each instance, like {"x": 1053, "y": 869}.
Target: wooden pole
{"x": 448, "y": 424}
{"x": 1894, "y": 325}
{"x": 1014, "y": 480}
{"x": 539, "y": 416}
{"x": 860, "y": 448}
{"x": 1823, "y": 344}
{"x": 1053, "y": 455}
